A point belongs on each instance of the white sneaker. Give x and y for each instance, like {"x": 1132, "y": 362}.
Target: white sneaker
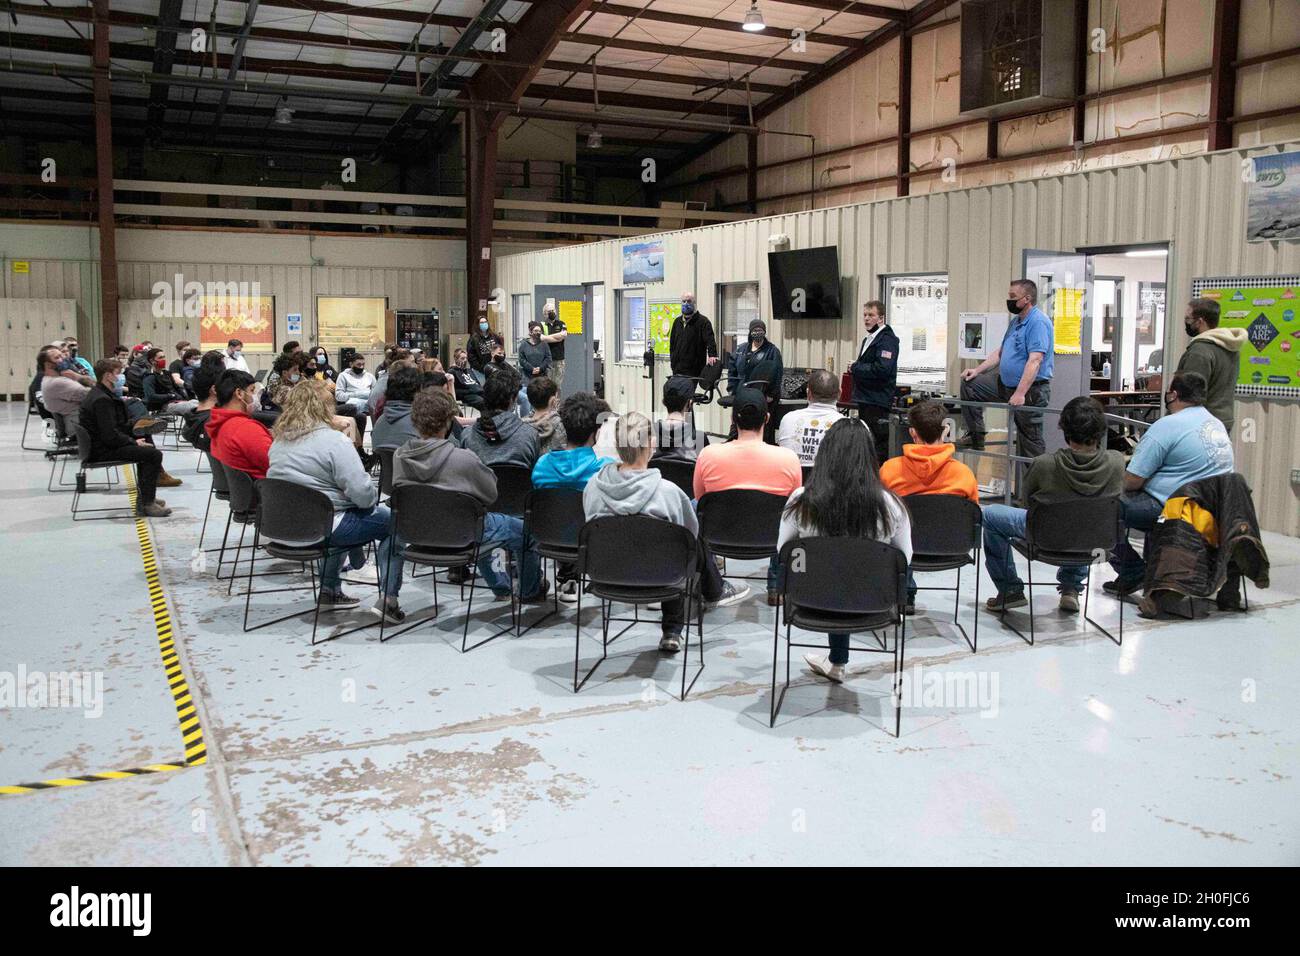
{"x": 822, "y": 667}
{"x": 367, "y": 573}
{"x": 730, "y": 595}
{"x": 569, "y": 592}
{"x": 670, "y": 643}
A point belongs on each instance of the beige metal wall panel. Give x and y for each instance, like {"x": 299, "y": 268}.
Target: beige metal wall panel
{"x": 977, "y": 235}
{"x": 1268, "y": 25}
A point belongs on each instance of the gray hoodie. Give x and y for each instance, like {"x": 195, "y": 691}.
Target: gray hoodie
{"x": 503, "y": 439}
{"x": 393, "y": 428}
{"x": 614, "y": 492}
{"x": 325, "y": 461}
{"x": 438, "y": 462}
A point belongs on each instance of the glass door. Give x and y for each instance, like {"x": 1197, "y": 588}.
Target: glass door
{"x": 1064, "y": 282}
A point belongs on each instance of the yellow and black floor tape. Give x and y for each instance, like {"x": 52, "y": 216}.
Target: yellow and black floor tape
{"x": 186, "y": 713}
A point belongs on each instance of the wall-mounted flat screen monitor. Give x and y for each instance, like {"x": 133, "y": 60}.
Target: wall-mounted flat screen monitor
{"x": 805, "y": 283}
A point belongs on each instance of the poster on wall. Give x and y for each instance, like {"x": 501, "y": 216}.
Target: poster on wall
{"x": 1067, "y": 321}
{"x": 643, "y": 262}
{"x": 917, "y": 311}
{"x": 350, "y": 321}
{"x": 1151, "y": 311}
{"x": 1266, "y": 307}
{"x": 1273, "y": 198}
{"x": 662, "y": 315}
{"x": 249, "y": 318}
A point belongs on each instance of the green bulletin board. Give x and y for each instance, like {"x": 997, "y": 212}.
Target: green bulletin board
{"x": 662, "y": 315}
{"x": 1268, "y": 308}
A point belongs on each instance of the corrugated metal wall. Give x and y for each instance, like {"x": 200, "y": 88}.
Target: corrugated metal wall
{"x": 977, "y": 237}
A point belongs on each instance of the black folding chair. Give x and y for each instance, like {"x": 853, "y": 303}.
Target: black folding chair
{"x": 385, "y": 470}
{"x": 820, "y": 596}
{"x": 83, "y": 487}
{"x": 35, "y": 409}
{"x": 243, "y": 511}
{"x": 742, "y": 524}
{"x": 438, "y": 529}
{"x": 807, "y": 473}
{"x": 1070, "y": 531}
{"x": 661, "y": 566}
{"x": 294, "y": 523}
{"x": 513, "y": 485}
{"x": 65, "y": 450}
{"x": 946, "y": 536}
{"x": 681, "y": 473}
{"x": 219, "y": 488}
{"x": 553, "y": 519}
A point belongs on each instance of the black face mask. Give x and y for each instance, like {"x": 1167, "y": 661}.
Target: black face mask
{"x": 1013, "y": 306}
{"x": 498, "y": 359}
{"x": 1190, "y": 329}
{"x": 756, "y": 337}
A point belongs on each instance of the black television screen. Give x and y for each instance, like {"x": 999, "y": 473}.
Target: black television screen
{"x": 805, "y": 283}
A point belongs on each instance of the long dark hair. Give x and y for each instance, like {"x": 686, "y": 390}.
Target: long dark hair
{"x": 844, "y": 497}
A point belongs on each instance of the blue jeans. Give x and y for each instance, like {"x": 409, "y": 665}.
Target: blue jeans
{"x": 525, "y": 406}
{"x": 358, "y": 528}
{"x": 1139, "y": 510}
{"x": 1001, "y": 524}
{"x": 839, "y": 648}
{"x": 505, "y": 531}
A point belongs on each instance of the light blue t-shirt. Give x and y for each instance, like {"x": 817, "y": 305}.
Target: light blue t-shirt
{"x": 1029, "y": 333}
{"x": 1182, "y": 447}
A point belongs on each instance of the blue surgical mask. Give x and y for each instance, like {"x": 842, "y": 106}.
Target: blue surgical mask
{"x": 482, "y": 326}
{"x": 194, "y": 363}
{"x": 688, "y": 308}
{"x": 320, "y": 360}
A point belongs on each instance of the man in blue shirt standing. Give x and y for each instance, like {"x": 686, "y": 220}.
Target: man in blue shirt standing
{"x": 1018, "y": 372}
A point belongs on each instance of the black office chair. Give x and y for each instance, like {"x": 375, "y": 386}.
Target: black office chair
{"x": 1071, "y": 531}
{"x": 293, "y": 523}
{"x": 820, "y": 596}
{"x": 946, "y": 536}
{"x": 741, "y": 524}
{"x": 679, "y": 471}
{"x": 661, "y": 566}
{"x": 439, "y": 529}
{"x": 553, "y": 519}
{"x": 83, "y": 487}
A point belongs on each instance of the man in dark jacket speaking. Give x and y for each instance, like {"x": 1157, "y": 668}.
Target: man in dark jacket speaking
{"x": 874, "y": 373}
{"x": 691, "y": 344}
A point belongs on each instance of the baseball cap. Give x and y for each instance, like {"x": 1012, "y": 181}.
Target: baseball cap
{"x": 679, "y": 386}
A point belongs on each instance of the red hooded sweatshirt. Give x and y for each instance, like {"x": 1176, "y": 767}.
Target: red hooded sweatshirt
{"x": 929, "y": 470}
{"x": 239, "y": 441}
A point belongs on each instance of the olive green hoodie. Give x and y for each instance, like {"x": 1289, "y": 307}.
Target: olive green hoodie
{"x": 1215, "y": 354}
{"x": 1070, "y": 473}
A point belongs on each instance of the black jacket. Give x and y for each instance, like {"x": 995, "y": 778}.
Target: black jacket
{"x": 1180, "y": 562}
{"x": 875, "y": 373}
{"x": 103, "y": 414}
{"x": 691, "y": 344}
{"x": 747, "y": 366}
{"x": 135, "y": 371}
{"x": 480, "y": 348}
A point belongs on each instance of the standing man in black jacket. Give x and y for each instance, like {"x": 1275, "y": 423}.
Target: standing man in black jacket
{"x": 691, "y": 344}
{"x": 111, "y": 438}
{"x": 875, "y": 373}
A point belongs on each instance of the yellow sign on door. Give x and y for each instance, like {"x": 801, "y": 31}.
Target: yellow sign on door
{"x": 571, "y": 316}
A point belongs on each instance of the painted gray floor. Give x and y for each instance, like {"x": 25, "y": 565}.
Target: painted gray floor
{"x": 1180, "y": 747}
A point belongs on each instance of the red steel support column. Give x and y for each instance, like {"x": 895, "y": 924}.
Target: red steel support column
{"x": 904, "y": 111}
{"x": 1223, "y": 76}
{"x": 104, "y": 182}
{"x": 480, "y": 193}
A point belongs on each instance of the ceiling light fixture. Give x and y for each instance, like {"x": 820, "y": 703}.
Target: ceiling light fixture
{"x": 754, "y": 20}
{"x": 594, "y": 139}
{"x": 283, "y": 113}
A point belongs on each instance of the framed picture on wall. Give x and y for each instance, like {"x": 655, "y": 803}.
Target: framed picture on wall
{"x": 1108, "y": 327}
{"x": 1151, "y": 311}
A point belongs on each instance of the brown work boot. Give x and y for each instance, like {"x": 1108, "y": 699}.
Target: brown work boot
{"x": 154, "y": 509}
{"x": 149, "y": 426}
{"x": 167, "y": 481}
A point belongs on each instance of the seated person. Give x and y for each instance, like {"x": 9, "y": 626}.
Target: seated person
{"x": 1188, "y": 444}
{"x": 632, "y": 487}
{"x": 204, "y": 384}
{"x": 60, "y": 395}
{"x": 1083, "y": 469}
{"x": 190, "y": 361}
{"x": 498, "y": 363}
{"x": 379, "y": 394}
{"x": 296, "y": 371}
{"x": 354, "y": 385}
{"x": 468, "y": 390}
{"x": 845, "y": 499}
{"x": 544, "y": 397}
{"x": 161, "y": 393}
{"x": 748, "y": 463}
{"x": 675, "y": 435}
{"x": 104, "y": 417}
{"x": 394, "y": 427}
{"x": 77, "y": 362}
{"x": 801, "y": 430}
{"x": 431, "y": 459}
{"x": 572, "y": 467}
{"x": 308, "y": 450}
{"x": 499, "y": 437}
{"x": 238, "y": 440}
{"x": 443, "y": 383}
{"x": 927, "y": 467}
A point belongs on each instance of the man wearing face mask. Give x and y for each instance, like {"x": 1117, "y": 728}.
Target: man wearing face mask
{"x": 691, "y": 344}
{"x": 355, "y": 385}
{"x": 480, "y": 345}
{"x": 757, "y": 361}
{"x": 239, "y": 440}
{"x": 1214, "y": 354}
{"x": 1018, "y": 372}
{"x": 556, "y": 333}
{"x": 235, "y": 355}
{"x": 875, "y": 375}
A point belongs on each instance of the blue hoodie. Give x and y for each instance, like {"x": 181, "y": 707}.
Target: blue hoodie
{"x": 570, "y": 468}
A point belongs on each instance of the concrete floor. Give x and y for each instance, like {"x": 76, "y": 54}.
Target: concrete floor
{"x": 1181, "y": 747}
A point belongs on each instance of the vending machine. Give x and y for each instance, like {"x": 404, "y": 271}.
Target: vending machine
{"x": 418, "y": 329}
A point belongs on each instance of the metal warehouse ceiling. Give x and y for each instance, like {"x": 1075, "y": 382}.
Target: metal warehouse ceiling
{"x": 664, "y": 74}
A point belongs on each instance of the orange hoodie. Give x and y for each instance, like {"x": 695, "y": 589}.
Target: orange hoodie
{"x": 929, "y": 470}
